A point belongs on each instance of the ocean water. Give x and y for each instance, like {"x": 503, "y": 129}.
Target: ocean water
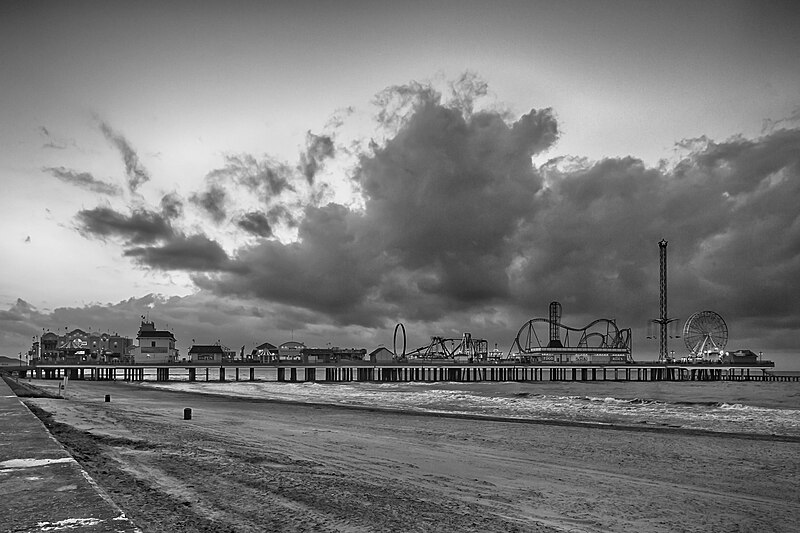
{"x": 730, "y": 407}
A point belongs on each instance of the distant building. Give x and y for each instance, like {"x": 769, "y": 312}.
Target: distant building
{"x": 265, "y": 353}
{"x": 740, "y": 356}
{"x": 381, "y": 355}
{"x": 291, "y": 351}
{"x": 155, "y": 346}
{"x": 80, "y": 346}
{"x": 207, "y": 353}
{"x": 332, "y": 354}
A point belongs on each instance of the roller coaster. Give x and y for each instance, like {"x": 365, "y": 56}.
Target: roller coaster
{"x": 547, "y": 340}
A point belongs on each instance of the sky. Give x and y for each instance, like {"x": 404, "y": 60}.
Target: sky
{"x": 246, "y": 172}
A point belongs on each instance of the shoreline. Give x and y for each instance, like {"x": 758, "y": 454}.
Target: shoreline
{"x": 294, "y": 466}
{"x": 492, "y": 418}
{"x": 655, "y": 428}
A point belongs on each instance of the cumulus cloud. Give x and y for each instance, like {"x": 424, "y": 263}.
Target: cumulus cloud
{"x": 442, "y": 199}
{"x": 134, "y": 170}
{"x": 84, "y": 180}
{"x": 725, "y": 210}
{"x": 456, "y": 218}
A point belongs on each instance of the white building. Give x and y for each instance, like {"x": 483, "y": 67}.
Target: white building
{"x": 155, "y": 346}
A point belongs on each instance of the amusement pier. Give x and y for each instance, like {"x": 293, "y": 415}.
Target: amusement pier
{"x": 544, "y": 350}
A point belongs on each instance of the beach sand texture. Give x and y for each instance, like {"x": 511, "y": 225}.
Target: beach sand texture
{"x": 246, "y": 465}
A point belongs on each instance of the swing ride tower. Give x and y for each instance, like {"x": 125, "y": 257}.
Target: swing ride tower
{"x": 663, "y": 321}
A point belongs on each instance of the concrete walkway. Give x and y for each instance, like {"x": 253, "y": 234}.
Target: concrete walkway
{"x": 42, "y": 488}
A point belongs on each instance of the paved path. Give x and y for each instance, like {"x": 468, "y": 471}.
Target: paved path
{"x": 42, "y": 488}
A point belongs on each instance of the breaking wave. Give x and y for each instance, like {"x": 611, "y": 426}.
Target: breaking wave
{"x": 752, "y": 408}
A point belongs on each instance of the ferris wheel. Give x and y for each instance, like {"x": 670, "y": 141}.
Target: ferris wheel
{"x": 705, "y": 331}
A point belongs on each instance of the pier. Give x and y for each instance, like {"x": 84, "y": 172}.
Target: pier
{"x": 410, "y": 372}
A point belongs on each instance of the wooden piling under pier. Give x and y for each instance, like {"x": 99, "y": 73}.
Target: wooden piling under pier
{"x": 418, "y": 372}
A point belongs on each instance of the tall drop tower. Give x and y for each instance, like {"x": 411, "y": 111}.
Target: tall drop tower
{"x": 662, "y": 320}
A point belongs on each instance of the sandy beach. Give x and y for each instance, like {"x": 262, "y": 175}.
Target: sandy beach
{"x": 253, "y": 465}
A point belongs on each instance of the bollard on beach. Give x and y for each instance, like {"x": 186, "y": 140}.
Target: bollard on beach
{"x": 187, "y": 414}
{"x": 108, "y": 397}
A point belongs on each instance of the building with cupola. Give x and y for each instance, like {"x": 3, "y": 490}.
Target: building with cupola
{"x": 155, "y": 345}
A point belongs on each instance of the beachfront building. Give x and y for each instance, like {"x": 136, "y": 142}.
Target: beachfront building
{"x": 80, "y": 346}
{"x": 207, "y": 353}
{"x": 265, "y": 353}
{"x": 332, "y": 354}
{"x": 155, "y": 346}
{"x": 381, "y": 355}
{"x": 291, "y": 351}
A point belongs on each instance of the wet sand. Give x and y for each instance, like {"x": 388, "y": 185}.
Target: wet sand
{"x": 242, "y": 465}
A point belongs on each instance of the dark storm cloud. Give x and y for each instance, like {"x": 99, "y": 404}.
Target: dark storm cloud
{"x": 193, "y": 253}
{"x": 134, "y": 170}
{"x": 265, "y": 177}
{"x": 140, "y": 227}
{"x": 443, "y": 198}
{"x": 753, "y": 262}
{"x": 171, "y": 205}
{"x": 318, "y": 149}
{"x": 256, "y": 224}
{"x": 19, "y": 312}
{"x": 212, "y": 201}
{"x": 84, "y": 180}
{"x": 458, "y": 225}
{"x": 726, "y": 210}
{"x": 447, "y": 193}
{"x": 329, "y": 270}
{"x": 456, "y": 218}
{"x": 18, "y": 326}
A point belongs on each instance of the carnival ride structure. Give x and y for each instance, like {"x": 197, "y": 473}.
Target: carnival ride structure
{"x": 705, "y": 335}
{"x": 547, "y": 340}
{"x": 464, "y": 349}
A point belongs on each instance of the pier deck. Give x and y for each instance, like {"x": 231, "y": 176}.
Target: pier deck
{"x": 412, "y": 372}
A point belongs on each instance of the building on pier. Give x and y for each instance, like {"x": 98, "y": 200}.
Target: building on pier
{"x": 80, "y": 346}
{"x": 264, "y": 353}
{"x": 155, "y": 346}
{"x": 207, "y": 353}
{"x": 381, "y": 354}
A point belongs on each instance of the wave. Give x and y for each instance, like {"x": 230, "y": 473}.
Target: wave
{"x": 521, "y": 402}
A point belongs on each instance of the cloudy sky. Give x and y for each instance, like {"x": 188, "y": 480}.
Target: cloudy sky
{"x": 257, "y": 171}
